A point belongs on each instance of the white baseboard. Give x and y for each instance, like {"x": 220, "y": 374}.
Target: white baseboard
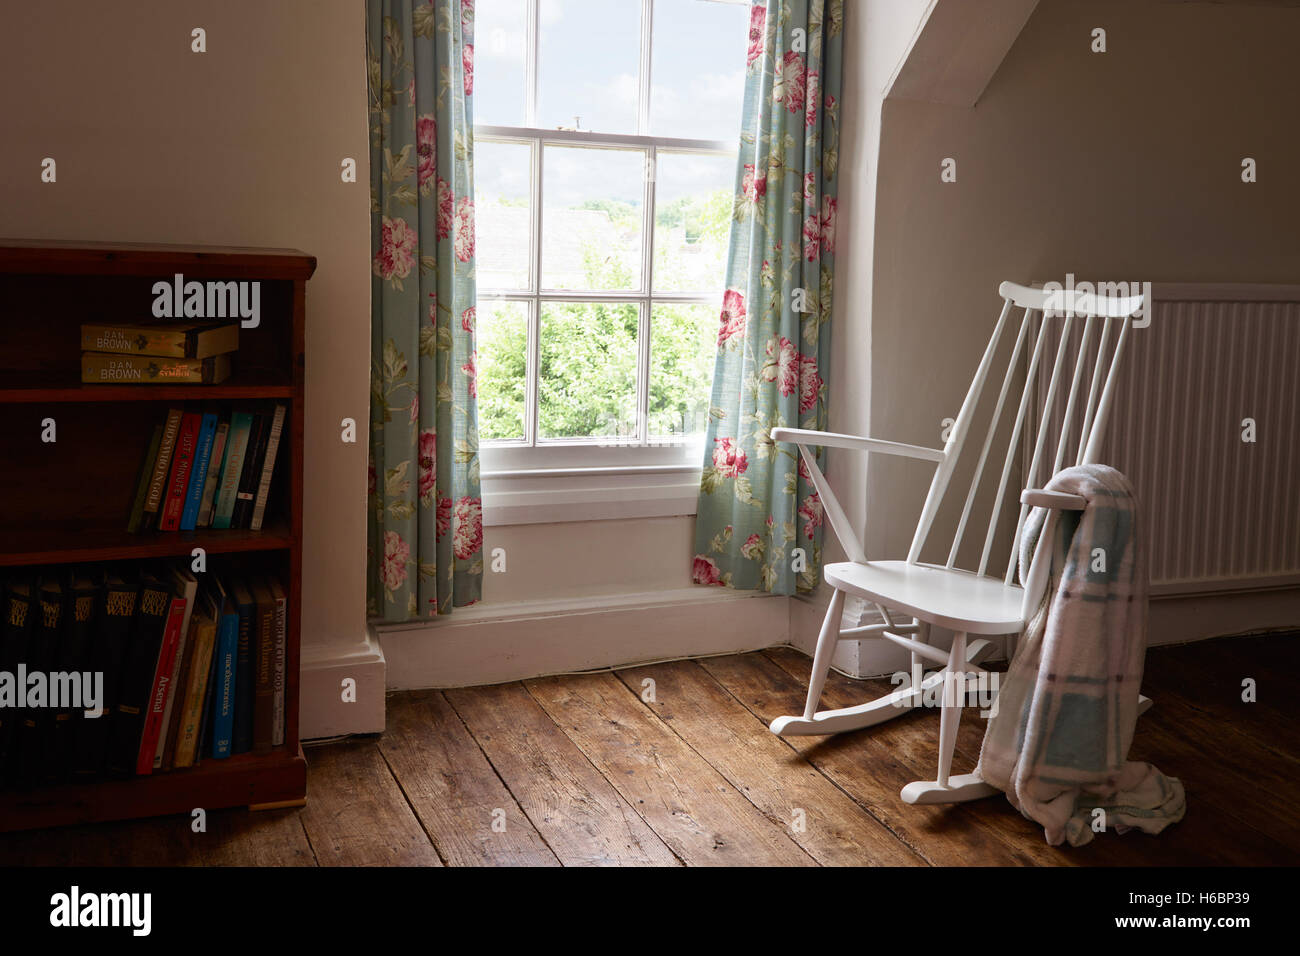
{"x": 322, "y": 709}
{"x": 1195, "y": 617}
{"x": 492, "y": 644}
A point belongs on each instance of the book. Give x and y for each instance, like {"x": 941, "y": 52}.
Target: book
{"x": 223, "y": 680}
{"x": 199, "y": 472}
{"x": 232, "y": 468}
{"x": 246, "y": 607}
{"x": 112, "y": 629}
{"x": 279, "y": 661}
{"x": 35, "y": 720}
{"x": 105, "y": 367}
{"x": 268, "y": 467}
{"x": 19, "y": 614}
{"x": 164, "y": 339}
{"x": 161, "y": 469}
{"x": 213, "y": 479}
{"x": 182, "y": 464}
{"x": 263, "y": 666}
{"x": 185, "y": 585}
{"x": 139, "y": 665}
{"x": 143, "y": 479}
{"x": 81, "y": 597}
{"x": 203, "y": 634}
{"x": 247, "y": 490}
{"x": 156, "y": 704}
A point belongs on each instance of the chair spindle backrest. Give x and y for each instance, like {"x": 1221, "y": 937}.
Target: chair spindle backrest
{"x": 1091, "y": 412}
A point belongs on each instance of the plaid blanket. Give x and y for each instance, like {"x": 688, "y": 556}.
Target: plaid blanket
{"x": 1058, "y": 741}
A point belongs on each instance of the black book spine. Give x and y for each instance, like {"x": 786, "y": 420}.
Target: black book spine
{"x": 251, "y": 475}
{"x": 115, "y": 611}
{"x": 80, "y": 609}
{"x": 19, "y": 616}
{"x": 36, "y": 721}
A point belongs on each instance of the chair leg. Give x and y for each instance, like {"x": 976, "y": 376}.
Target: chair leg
{"x": 826, "y": 641}
{"x": 950, "y": 709}
{"x": 948, "y": 788}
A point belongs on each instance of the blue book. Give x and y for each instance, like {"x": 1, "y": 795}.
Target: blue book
{"x": 202, "y": 458}
{"x": 223, "y": 691}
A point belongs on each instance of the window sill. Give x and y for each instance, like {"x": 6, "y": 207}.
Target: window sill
{"x": 540, "y": 495}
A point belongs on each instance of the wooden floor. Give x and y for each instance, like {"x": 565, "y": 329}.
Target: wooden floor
{"x": 582, "y": 770}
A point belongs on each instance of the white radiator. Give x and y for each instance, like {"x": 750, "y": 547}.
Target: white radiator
{"x": 1220, "y": 513}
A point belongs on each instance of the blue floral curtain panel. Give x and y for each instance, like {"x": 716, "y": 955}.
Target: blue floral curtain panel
{"x": 759, "y": 523}
{"x": 426, "y": 523}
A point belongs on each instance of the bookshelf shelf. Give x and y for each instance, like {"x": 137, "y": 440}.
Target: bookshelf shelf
{"x": 36, "y": 546}
{"x": 66, "y": 502}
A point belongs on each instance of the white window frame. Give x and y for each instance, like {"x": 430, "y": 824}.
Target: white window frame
{"x": 527, "y": 479}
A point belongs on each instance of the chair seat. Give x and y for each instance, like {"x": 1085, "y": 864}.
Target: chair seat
{"x": 950, "y": 598}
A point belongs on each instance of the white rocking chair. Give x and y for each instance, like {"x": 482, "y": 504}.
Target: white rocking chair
{"x": 967, "y": 602}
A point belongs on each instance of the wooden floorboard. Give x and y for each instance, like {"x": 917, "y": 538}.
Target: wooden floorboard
{"x": 688, "y": 803}
{"x": 468, "y": 813}
{"x": 816, "y": 814}
{"x": 585, "y": 770}
{"x": 584, "y": 820}
{"x": 356, "y": 815}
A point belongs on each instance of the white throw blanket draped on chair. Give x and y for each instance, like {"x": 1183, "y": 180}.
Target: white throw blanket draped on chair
{"x": 1058, "y": 742}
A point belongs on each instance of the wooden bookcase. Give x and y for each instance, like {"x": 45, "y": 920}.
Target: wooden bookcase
{"x": 66, "y": 501}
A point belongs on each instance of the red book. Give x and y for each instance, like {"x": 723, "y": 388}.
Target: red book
{"x": 182, "y": 463}
{"x": 161, "y": 688}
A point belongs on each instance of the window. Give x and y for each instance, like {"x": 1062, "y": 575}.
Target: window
{"x": 604, "y": 162}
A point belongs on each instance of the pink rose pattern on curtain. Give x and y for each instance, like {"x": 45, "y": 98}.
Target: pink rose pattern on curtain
{"x": 426, "y": 520}
{"x": 759, "y": 523}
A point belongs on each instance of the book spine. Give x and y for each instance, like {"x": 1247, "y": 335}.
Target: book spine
{"x": 74, "y": 658}
{"x": 278, "y": 675}
{"x": 161, "y": 688}
{"x": 244, "y": 691}
{"x": 213, "y": 479}
{"x": 182, "y": 465}
{"x": 268, "y": 467}
{"x": 187, "y": 587}
{"x": 142, "y": 481}
{"x": 112, "y": 627}
{"x": 198, "y": 474}
{"x": 36, "y": 723}
{"x": 167, "y": 736}
{"x": 224, "y": 687}
{"x": 187, "y": 738}
{"x": 264, "y": 682}
{"x": 232, "y": 469}
{"x": 20, "y": 612}
{"x": 161, "y": 469}
{"x": 253, "y": 455}
{"x": 105, "y": 367}
{"x": 132, "y": 340}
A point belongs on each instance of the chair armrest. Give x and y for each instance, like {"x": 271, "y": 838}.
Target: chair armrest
{"x": 1058, "y": 500}
{"x": 804, "y": 436}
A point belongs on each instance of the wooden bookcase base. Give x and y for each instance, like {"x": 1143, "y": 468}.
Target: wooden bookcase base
{"x": 252, "y": 780}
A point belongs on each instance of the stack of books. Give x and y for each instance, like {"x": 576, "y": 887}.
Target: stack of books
{"x": 207, "y": 468}
{"x": 181, "y": 671}
{"x": 169, "y": 353}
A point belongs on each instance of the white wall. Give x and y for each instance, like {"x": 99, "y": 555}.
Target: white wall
{"x": 240, "y": 145}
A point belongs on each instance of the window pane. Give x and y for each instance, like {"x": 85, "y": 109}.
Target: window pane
{"x": 500, "y": 61}
{"x": 592, "y": 207}
{"x": 587, "y": 378}
{"x": 503, "y": 210}
{"x": 693, "y": 204}
{"x": 697, "y": 69}
{"x": 589, "y": 65}
{"x": 683, "y": 342}
{"x": 502, "y": 343}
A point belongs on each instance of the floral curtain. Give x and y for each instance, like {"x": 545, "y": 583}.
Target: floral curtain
{"x": 426, "y": 525}
{"x": 759, "y": 523}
